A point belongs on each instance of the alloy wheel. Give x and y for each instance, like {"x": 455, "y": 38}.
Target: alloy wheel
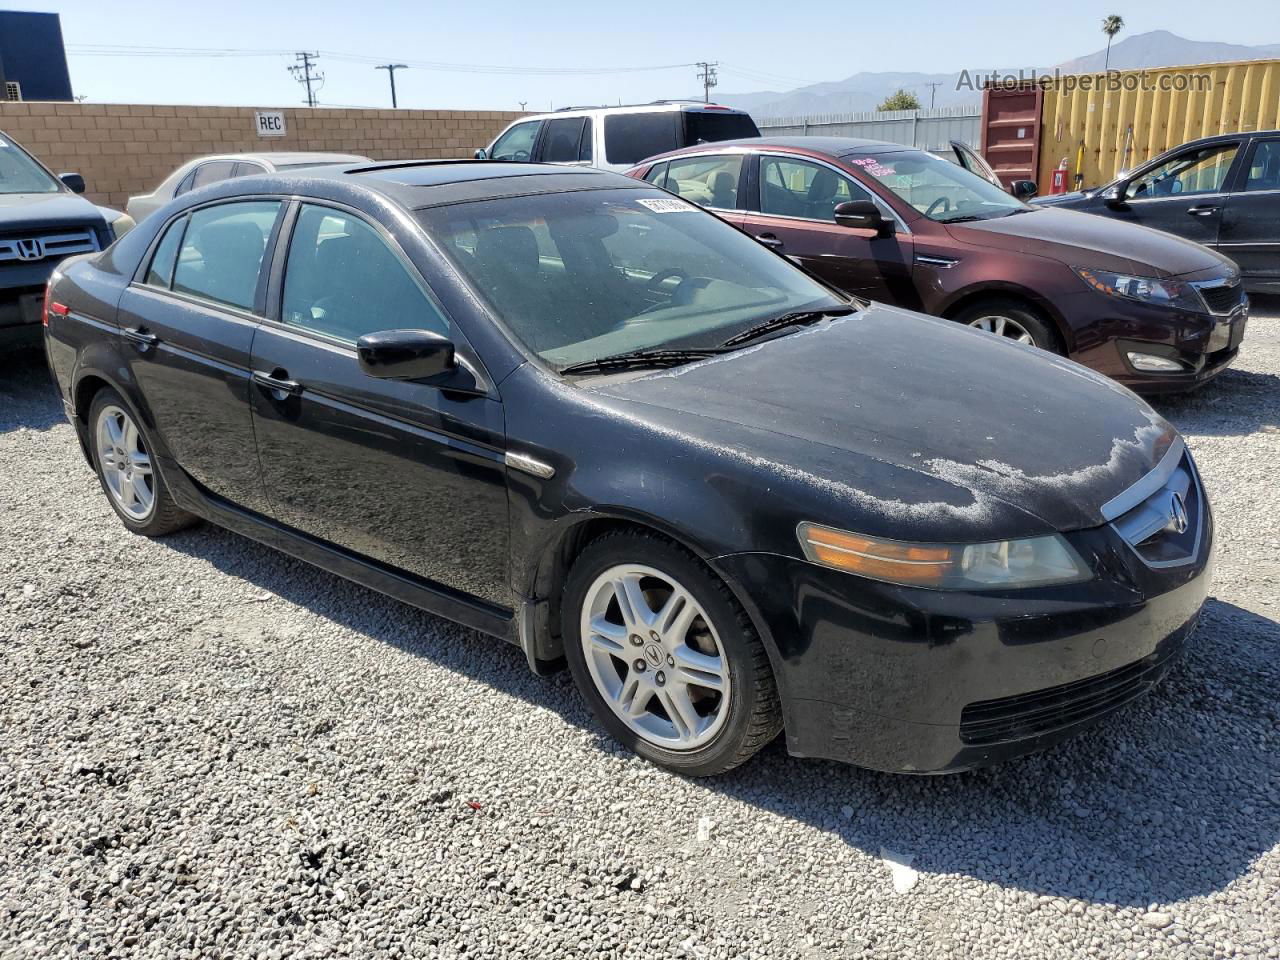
{"x": 654, "y": 657}
{"x": 126, "y": 463}
{"x": 1004, "y": 327}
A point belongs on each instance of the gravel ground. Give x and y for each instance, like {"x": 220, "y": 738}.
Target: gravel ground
{"x": 212, "y": 750}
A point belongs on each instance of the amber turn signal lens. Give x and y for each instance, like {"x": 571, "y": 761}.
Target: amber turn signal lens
{"x": 878, "y": 559}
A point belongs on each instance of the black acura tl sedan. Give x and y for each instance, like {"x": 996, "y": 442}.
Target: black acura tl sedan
{"x": 583, "y": 415}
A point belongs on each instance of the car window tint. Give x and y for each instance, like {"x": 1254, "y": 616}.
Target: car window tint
{"x": 709, "y": 126}
{"x": 706, "y": 181}
{"x": 1264, "y": 169}
{"x": 212, "y": 172}
{"x": 657, "y": 173}
{"x": 797, "y": 188}
{"x": 586, "y": 147}
{"x": 343, "y": 280}
{"x": 160, "y": 273}
{"x": 1198, "y": 171}
{"x": 630, "y": 137}
{"x": 221, "y": 254}
{"x": 560, "y": 144}
{"x": 517, "y": 143}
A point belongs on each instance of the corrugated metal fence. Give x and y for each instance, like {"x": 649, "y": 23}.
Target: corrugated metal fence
{"x": 926, "y": 129}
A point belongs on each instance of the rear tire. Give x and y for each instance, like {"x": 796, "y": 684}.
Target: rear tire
{"x": 1005, "y": 317}
{"x": 671, "y": 665}
{"x": 129, "y": 474}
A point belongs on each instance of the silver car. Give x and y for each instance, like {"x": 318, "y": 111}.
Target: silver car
{"x": 203, "y": 171}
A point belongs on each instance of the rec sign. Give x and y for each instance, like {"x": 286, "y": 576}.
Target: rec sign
{"x": 269, "y": 123}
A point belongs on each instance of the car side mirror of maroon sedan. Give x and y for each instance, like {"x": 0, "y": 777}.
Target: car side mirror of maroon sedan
{"x": 863, "y": 215}
{"x": 405, "y": 354}
{"x": 1024, "y": 189}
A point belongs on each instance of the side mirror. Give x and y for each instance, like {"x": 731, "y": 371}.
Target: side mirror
{"x": 863, "y": 215}
{"x": 1024, "y": 189}
{"x": 1114, "y": 196}
{"x": 73, "y": 181}
{"x": 405, "y": 354}
{"x": 482, "y": 154}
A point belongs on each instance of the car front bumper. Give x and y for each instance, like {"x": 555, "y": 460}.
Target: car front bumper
{"x": 20, "y": 317}
{"x": 909, "y": 680}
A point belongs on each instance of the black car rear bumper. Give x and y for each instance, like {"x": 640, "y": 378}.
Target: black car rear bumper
{"x": 916, "y": 681}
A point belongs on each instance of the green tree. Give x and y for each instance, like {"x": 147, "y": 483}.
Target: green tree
{"x": 1111, "y": 26}
{"x": 900, "y": 100}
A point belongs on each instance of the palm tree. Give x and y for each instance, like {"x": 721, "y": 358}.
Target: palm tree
{"x": 1111, "y": 26}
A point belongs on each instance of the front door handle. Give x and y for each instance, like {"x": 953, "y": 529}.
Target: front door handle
{"x": 278, "y": 382}
{"x": 769, "y": 240}
{"x": 1205, "y": 211}
{"x": 144, "y": 339}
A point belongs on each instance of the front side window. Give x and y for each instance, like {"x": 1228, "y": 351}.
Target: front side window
{"x": 798, "y": 188}
{"x": 1264, "y": 168}
{"x": 1200, "y": 171}
{"x": 221, "y": 254}
{"x": 19, "y": 173}
{"x": 706, "y": 181}
{"x": 583, "y": 275}
{"x": 943, "y": 191}
{"x": 630, "y": 137}
{"x": 160, "y": 273}
{"x": 562, "y": 140}
{"x": 517, "y": 143}
{"x": 343, "y": 280}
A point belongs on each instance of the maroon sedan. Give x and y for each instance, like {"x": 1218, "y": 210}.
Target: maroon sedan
{"x": 905, "y": 227}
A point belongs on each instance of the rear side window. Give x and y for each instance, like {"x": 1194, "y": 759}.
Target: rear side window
{"x": 711, "y": 126}
{"x": 246, "y": 169}
{"x": 208, "y": 173}
{"x": 1264, "y": 168}
{"x": 588, "y": 135}
{"x": 560, "y": 144}
{"x": 160, "y": 273}
{"x": 221, "y": 254}
{"x": 706, "y": 181}
{"x": 630, "y": 137}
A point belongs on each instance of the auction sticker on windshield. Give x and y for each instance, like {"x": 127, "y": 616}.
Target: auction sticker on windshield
{"x": 665, "y": 205}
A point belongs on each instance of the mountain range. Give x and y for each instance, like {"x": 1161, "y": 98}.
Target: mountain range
{"x": 865, "y": 91}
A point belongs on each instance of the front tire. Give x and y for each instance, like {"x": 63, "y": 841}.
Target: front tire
{"x": 129, "y": 475}
{"x": 666, "y": 658}
{"x": 1013, "y": 320}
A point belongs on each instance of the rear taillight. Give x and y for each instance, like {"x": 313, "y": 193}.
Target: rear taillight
{"x": 52, "y": 306}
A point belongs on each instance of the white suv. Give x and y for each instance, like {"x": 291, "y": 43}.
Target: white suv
{"x": 617, "y": 138}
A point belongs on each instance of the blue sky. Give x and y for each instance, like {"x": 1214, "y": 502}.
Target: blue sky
{"x": 761, "y": 45}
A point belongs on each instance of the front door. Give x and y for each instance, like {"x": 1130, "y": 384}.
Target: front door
{"x": 408, "y": 474}
{"x": 794, "y": 216}
{"x": 188, "y": 323}
{"x": 1250, "y": 233}
{"x": 1184, "y": 195}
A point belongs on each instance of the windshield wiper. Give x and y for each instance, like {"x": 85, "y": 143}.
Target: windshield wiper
{"x": 640, "y": 359}
{"x": 963, "y": 218}
{"x": 785, "y": 320}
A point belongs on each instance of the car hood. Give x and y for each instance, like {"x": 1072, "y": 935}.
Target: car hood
{"x": 46, "y": 210}
{"x": 1087, "y": 240}
{"x": 946, "y": 429}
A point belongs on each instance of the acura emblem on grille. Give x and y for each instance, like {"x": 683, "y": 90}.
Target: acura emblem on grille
{"x": 1177, "y": 513}
{"x": 31, "y": 249}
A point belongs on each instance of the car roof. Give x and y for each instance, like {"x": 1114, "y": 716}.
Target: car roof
{"x": 277, "y": 158}
{"x": 830, "y": 146}
{"x": 417, "y": 184}
{"x": 658, "y": 106}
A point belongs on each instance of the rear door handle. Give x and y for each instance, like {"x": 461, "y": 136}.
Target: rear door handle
{"x": 1204, "y": 211}
{"x": 278, "y": 382}
{"x": 141, "y": 336}
{"x": 769, "y": 240}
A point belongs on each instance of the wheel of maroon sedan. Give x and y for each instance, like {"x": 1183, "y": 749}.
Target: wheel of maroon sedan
{"x": 1009, "y": 318}
{"x": 129, "y": 475}
{"x": 665, "y": 656}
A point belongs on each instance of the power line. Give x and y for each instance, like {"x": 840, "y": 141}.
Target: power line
{"x": 302, "y": 73}
{"x": 708, "y": 77}
{"x": 391, "y": 69}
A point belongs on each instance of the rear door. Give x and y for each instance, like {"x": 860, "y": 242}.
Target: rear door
{"x": 793, "y": 213}
{"x": 714, "y": 181}
{"x": 188, "y": 320}
{"x": 1184, "y": 195}
{"x": 561, "y": 141}
{"x": 408, "y": 474}
{"x": 1250, "y": 233}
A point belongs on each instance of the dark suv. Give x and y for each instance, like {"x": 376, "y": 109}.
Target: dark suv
{"x": 41, "y": 222}
{"x": 898, "y": 225}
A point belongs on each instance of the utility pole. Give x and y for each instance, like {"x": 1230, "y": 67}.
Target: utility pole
{"x": 933, "y": 91}
{"x": 391, "y": 69}
{"x": 302, "y": 73}
{"x": 708, "y": 77}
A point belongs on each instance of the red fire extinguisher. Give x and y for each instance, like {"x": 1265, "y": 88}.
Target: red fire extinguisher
{"x": 1059, "y": 182}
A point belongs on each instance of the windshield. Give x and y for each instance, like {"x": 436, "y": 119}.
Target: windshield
{"x": 941, "y": 190}
{"x": 580, "y": 276}
{"x": 20, "y": 174}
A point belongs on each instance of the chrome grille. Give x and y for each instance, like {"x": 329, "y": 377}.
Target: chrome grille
{"x": 47, "y": 245}
{"x": 1221, "y": 297}
{"x": 1164, "y": 521}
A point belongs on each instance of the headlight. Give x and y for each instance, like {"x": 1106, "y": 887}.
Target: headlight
{"x": 122, "y": 225}
{"x": 1034, "y": 561}
{"x": 1163, "y": 293}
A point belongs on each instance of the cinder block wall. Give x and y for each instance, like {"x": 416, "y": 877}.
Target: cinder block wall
{"x": 127, "y": 149}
